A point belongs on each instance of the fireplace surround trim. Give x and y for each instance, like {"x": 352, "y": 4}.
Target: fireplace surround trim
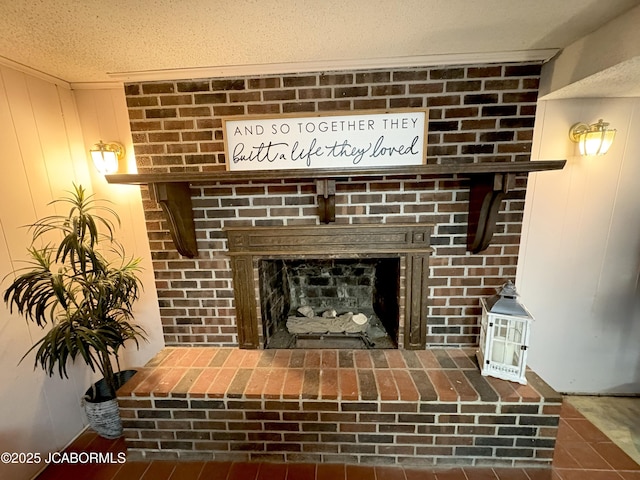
{"x": 411, "y": 241}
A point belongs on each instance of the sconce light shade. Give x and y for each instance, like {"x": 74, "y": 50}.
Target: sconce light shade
{"x": 106, "y": 157}
{"x": 594, "y": 139}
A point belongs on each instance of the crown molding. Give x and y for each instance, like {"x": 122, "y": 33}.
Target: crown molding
{"x": 96, "y": 85}
{"x": 34, "y": 73}
{"x": 542, "y": 55}
{"x": 118, "y": 78}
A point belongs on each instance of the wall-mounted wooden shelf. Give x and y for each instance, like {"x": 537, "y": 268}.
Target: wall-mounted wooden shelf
{"x": 489, "y": 183}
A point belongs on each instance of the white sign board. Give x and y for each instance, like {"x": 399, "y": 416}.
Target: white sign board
{"x": 354, "y": 139}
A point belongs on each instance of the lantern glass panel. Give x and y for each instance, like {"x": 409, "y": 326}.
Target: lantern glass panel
{"x": 508, "y": 337}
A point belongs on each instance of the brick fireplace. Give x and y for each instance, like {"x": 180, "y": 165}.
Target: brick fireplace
{"x": 416, "y": 404}
{"x": 477, "y": 114}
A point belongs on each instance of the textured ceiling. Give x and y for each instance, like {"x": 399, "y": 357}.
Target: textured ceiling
{"x": 91, "y": 40}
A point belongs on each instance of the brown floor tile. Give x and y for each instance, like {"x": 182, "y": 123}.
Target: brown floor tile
{"x": 615, "y": 456}
{"x": 243, "y": 471}
{"x": 360, "y": 472}
{"x": 131, "y": 470}
{"x": 566, "y": 433}
{"x": 630, "y": 475}
{"x": 511, "y": 473}
{"x": 420, "y": 474}
{"x": 330, "y": 471}
{"x": 540, "y": 474}
{"x": 99, "y": 471}
{"x": 187, "y": 471}
{"x": 215, "y": 471}
{"x": 480, "y": 473}
{"x": 587, "y": 430}
{"x": 451, "y": 474}
{"x": 272, "y": 471}
{"x": 82, "y": 442}
{"x": 562, "y": 458}
{"x": 569, "y": 411}
{"x": 158, "y": 471}
{"x": 579, "y": 474}
{"x": 587, "y": 457}
{"x": 389, "y": 473}
{"x": 301, "y": 471}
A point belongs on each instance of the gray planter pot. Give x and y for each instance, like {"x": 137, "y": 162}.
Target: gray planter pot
{"x": 102, "y": 409}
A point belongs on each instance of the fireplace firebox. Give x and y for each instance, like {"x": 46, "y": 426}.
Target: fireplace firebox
{"x": 331, "y": 286}
{"x": 330, "y": 303}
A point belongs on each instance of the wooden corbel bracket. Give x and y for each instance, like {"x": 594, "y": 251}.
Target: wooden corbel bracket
{"x": 485, "y": 197}
{"x": 175, "y": 200}
{"x": 326, "y": 191}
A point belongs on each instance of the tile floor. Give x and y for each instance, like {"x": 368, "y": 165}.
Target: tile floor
{"x": 583, "y": 452}
{"x": 618, "y": 417}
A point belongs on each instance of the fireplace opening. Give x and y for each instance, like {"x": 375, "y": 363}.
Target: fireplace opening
{"x": 330, "y": 303}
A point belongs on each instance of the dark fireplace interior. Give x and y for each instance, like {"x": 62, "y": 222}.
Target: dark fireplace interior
{"x": 321, "y": 303}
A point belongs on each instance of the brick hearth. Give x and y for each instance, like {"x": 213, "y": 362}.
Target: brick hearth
{"x": 380, "y": 407}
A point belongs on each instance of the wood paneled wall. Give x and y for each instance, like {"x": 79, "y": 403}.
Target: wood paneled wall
{"x": 43, "y": 152}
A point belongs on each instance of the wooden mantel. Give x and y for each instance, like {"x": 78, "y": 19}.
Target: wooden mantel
{"x": 489, "y": 183}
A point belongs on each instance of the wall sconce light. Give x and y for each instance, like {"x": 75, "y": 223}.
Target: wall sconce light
{"x": 106, "y": 156}
{"x": 594, "y": 139}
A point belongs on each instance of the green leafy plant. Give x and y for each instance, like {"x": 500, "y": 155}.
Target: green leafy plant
{"x": 72, "y": 286}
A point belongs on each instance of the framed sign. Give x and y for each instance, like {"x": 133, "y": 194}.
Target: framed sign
{"x": 337, "y": 140}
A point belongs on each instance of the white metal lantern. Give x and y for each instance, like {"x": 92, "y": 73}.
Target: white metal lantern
{"x": 504, "y": 336}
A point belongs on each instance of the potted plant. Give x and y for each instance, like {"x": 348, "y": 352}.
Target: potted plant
{"x": 80, "y": 283}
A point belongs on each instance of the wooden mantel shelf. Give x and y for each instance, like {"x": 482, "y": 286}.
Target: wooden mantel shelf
{"x": 489, "y": 183}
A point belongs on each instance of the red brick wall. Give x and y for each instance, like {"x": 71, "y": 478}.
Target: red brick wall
{"x": 478, "y": 113}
